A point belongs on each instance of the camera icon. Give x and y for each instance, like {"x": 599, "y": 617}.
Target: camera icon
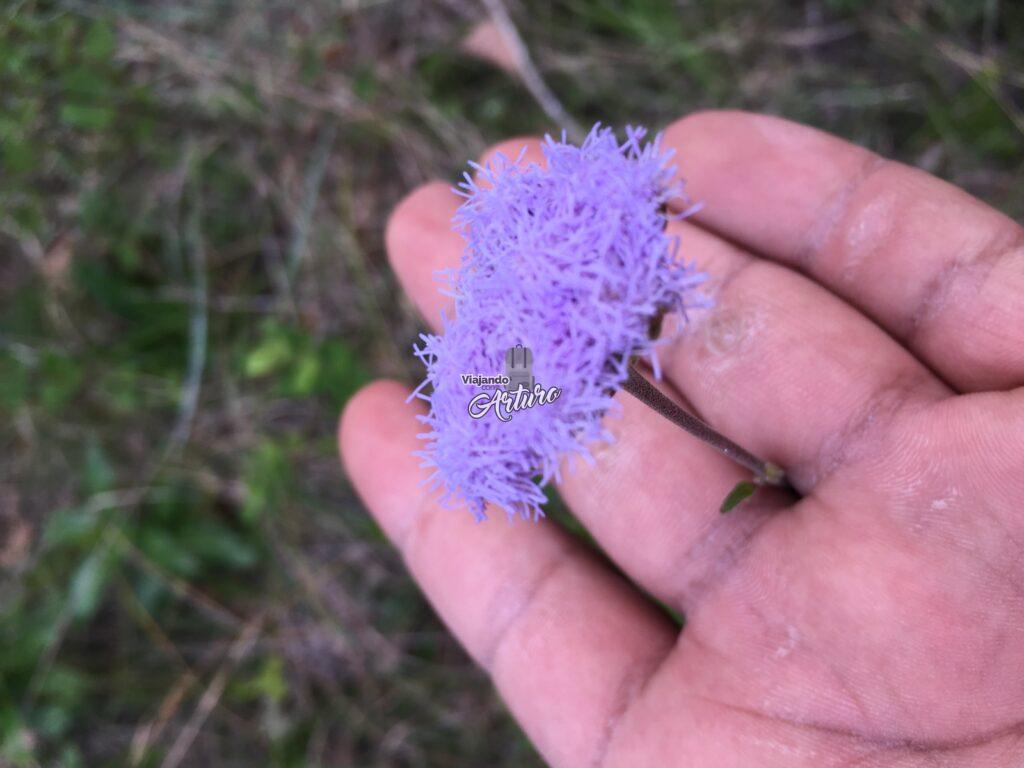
{"x": 519, "y": 368}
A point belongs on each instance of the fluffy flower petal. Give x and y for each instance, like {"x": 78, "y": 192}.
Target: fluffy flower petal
{"x": 573, "y": 262}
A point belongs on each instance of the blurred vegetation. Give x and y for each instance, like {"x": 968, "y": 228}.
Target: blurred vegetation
{"x": 192, "y": 282}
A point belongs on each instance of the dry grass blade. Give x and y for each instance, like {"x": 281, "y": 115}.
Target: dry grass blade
{"x": 211, "y": 696}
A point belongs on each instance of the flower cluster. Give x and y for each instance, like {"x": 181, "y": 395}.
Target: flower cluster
{"x": 573, "y": 262}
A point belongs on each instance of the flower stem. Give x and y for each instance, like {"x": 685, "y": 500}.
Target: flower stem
{"x": 765, "y": 472}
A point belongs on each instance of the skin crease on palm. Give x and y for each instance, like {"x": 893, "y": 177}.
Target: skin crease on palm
{"x": 868, "y": 335}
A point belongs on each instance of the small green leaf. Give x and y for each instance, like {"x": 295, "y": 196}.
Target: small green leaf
{"x": 97, "y": 473}
{"x": 364, "y": 84}
{"x": 272, "y": 353}
{"x": 99, "y": 43}
{"x": 164, "y": 548}
{"x": 90, "y": 582}
{"x": 14, "y": 382}
{"x": 268, "y": 682}
{"x": 267, "y": 478}
{"x": 17, "y": 155}
{"x": 17, "y": 747}
{"x": 68, "y": 527}
{"x": 52, "y": 722}
{"x": 305, "y": 374}
{"x": 60, "y": 377}
{"x": 88, "y": 118}
{"x": 743, "y": 490}
{"x": 341, "y": 371}
{"x": 216, "y": 544}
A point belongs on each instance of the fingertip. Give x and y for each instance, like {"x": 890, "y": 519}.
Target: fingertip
{"x": 364, "y": 400}
{"x": 704, "y": 153}
{"x": 701, "y": 119}
{"x": 376, "y": 438}
{"x": 705, "y": 127}
{"x": 424, "y": 209}
{"x": 719, "y": 125}
{"x": 763, "y": 180}
{"x": 708, "y": 139}
{"x": 420, "y": 240}
{"x": 364, "y": 418}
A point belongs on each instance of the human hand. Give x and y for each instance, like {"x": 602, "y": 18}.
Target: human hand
{"x": 868, "y": 336}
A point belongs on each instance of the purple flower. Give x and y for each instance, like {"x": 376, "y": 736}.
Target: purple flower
{"x": 573, "y": 263}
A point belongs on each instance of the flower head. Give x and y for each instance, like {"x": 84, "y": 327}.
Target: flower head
{"x": 571, "y": 261}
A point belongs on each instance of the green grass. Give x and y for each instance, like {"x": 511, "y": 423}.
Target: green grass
{"x": 192, "y": 283}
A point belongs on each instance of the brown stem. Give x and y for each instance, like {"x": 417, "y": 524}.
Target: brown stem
{"x": 765, "y": 472}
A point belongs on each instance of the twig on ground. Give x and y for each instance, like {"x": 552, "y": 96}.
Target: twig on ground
{"x": 146, "y": 734}
{"x": 211, "y": 696}
{"x": 200, "y": 601}
{"x": 528, "y": 71}
{"x": 198, "y": 313}
{"x": 310, "y": 195}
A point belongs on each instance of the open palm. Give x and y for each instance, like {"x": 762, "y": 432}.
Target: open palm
{"x": 867, "y": 335}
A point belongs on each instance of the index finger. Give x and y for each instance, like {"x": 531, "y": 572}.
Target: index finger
{"x": 941, "y": 271}
{"x": 568, "y": 642}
